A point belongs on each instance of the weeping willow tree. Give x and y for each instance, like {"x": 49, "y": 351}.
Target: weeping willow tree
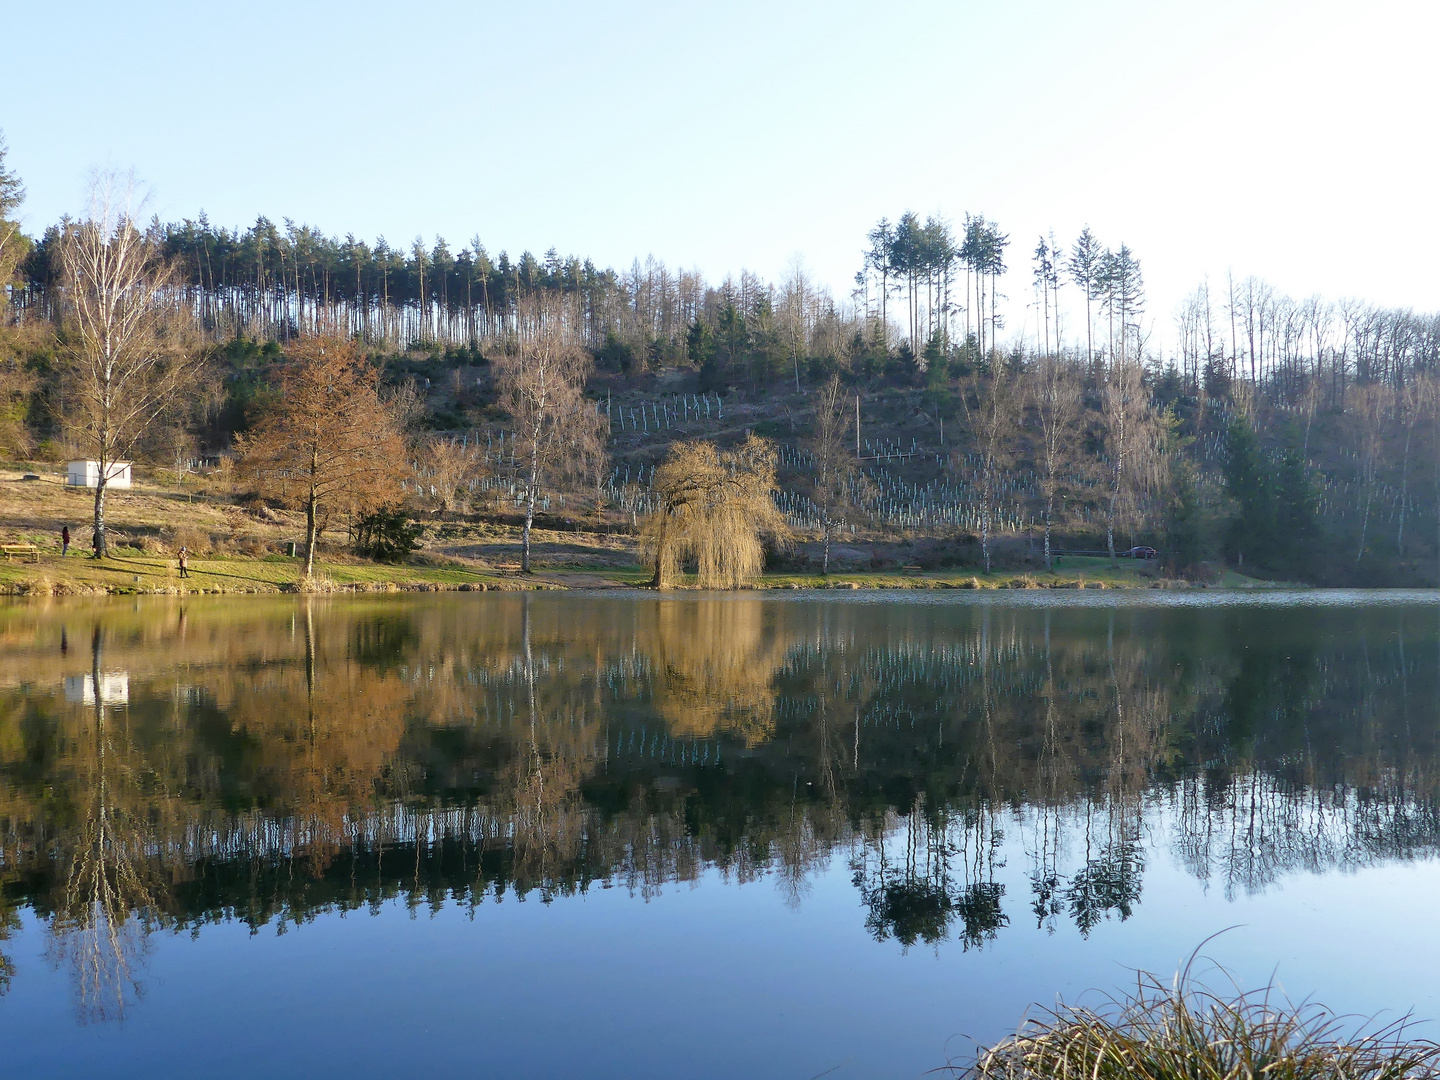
{"x": 714, "y": 510}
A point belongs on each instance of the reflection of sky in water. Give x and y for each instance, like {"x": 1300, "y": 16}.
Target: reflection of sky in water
{"x": 700, "y": 981}
{"x": 959, "y": 809}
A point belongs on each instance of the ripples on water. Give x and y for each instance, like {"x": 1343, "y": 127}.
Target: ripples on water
{"x": 962, "y": 771}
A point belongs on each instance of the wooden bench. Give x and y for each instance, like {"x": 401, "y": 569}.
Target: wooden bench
{"x": 23, "y": 552}
{"x": 911, "y": 569}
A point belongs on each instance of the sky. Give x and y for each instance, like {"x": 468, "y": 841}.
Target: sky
{"x": 1295, "y": 141}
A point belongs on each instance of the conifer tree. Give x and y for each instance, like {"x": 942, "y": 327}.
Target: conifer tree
{"x": 1085, "y": 266}
{"x": 328, "y": 441}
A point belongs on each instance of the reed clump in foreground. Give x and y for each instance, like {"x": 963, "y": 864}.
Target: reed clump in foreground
{"x": 1179, "y": 1031}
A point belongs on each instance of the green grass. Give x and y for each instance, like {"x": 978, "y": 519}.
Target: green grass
{"x": 630, "y": 576}
{"x": 1076, "y": 573}
{"x": 136, "y": 572}
{"x": 1180, "y": 1032}
{"x": 234, "y": 574}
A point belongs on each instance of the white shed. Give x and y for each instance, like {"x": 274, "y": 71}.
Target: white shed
{"x": 113, "y": 688}
{"x": 87, "y": 474}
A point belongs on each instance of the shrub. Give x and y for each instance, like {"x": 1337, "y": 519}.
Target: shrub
{"x": 194, "y": 539}
{"x": 386, "y": 535}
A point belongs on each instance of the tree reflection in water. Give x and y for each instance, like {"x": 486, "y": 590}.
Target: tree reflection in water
{"x": 108, "y": 894}
{"x": 277, "y": 761}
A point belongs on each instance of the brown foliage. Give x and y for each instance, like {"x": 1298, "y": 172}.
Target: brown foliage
{"x": 329, "y": 442}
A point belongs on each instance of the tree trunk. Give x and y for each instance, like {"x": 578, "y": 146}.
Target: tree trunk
{"x": 529, "y": 507}
{"x": 1110, "y": 517}
{"x": 311, "y": 519}
{"x": 825, "y": 558}
{"x": 884, "y": 311}
{"x": 1368, "y": 479}
{"x": 658, "y": 582}
{"x": 1118, "y": 472}
{"x": 1404, "y": 492}
{"x": 1049, "y": 513}
{"x": 101, "y": 548}
{"x": 985, "y": 529}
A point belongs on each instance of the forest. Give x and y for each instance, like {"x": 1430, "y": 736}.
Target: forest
{"x": 1295, "y": 439}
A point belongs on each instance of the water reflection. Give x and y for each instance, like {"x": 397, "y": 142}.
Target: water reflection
{"x": 268, "y": 763}
{"x": 106, "y": 895}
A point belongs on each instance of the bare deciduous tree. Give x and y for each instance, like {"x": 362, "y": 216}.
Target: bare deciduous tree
{"x": 329, "y": 441}
{"x": 834, "y": 463}
{"x": 1410, "y": 402}
{"x": 1055, "y": 394}
{"x": 714, "y": 508}
{"x": 1368, "y": 403}
{"x": 992, "y": 409}
{"x": 541, "y": 383}
{"x": 448, "y": 466}
{"x": 126, "y": 358}
{"x": 1126, "y": 410}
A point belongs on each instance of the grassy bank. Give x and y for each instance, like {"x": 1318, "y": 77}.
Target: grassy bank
{"x": 239, "y": 548}
{"x": 77, "y": 575}
{"x": 1182, "y": 1033}
{"x": 1072, "y": 572}
{"x": 138, "y": 573}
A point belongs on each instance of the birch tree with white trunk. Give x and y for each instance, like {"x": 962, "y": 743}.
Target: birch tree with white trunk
{"x": 126, "y": 361}
{"x": 541, "y": 384}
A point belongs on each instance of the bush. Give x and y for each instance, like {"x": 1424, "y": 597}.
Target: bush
{"x": 196, "y": 541}
{"x": 386, "y": 535}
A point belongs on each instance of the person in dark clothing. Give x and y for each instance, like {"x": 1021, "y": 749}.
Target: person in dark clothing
{"x": 64, "y": 540}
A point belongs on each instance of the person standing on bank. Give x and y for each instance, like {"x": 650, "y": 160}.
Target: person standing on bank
{"x": 64, "y": 540}
{"x": 184, "y": 562}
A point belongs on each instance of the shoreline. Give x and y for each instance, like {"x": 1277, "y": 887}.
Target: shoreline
{"x": 143, "y": 575}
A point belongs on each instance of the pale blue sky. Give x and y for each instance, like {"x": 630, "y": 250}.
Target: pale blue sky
{"x": 1295, "y": 141}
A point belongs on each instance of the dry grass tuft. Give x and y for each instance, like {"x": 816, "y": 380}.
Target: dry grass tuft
{"x": 315, "y": 584}
{"x": 40, "y": 586}
{"x": 1180, "y": 1032}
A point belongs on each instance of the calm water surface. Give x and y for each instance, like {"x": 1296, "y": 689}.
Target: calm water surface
{"x": 532, "y": 836}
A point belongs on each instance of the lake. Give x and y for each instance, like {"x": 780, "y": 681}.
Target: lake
{"x": 532, "y": 835}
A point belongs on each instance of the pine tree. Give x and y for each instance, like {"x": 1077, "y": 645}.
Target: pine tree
{"x": 1086, "y": 259}
{"x": 1248, "y": 478}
